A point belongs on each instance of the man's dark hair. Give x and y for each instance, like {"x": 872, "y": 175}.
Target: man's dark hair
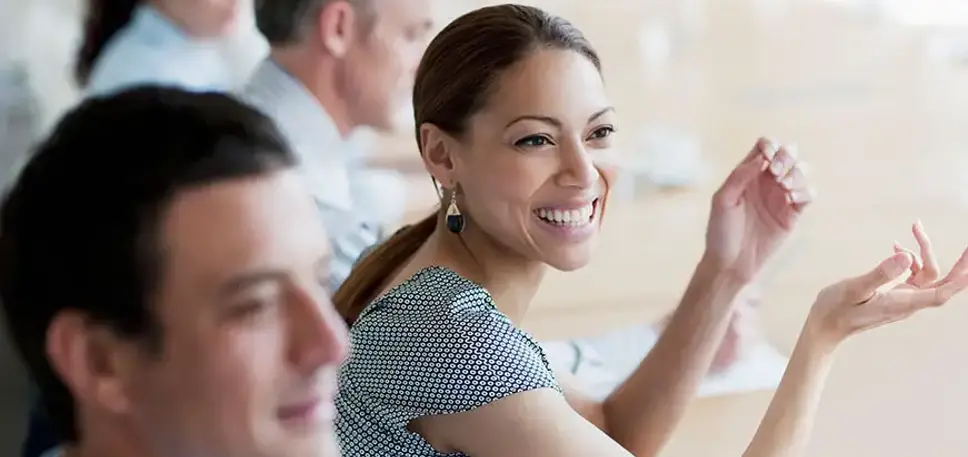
{"x": 79, "y": 229}
{"x": 103, "y": 21}
{"x": 283, "y": 22}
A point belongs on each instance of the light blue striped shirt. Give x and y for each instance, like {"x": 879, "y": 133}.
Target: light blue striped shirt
{"x": 329, "y": 162}
{"x": 153, "y": 50}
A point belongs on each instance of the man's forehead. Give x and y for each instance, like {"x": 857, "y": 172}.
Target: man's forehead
{"x": 240, "y": 224}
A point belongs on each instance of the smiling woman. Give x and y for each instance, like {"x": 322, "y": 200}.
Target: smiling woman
{"x": 514, "y": 125}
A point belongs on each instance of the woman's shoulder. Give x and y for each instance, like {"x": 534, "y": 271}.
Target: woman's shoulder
{"x": 438, "y": 314}
{"x": 437, "y": 344}
{"x": 434, "y": 293}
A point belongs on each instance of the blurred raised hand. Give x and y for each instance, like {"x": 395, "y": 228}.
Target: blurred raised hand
{"x": 756, "y": 209}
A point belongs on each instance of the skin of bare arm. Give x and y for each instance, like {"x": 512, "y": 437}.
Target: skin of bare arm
{"x": 842, "y": 310}
{"x": 541, "y": 423}
{"x": 656, "y": 395}
{"x": 752, "y": 214}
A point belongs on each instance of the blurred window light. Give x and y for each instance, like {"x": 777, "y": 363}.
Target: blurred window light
{"x": 949, "y": 13}
{"x": 929, "y": 12}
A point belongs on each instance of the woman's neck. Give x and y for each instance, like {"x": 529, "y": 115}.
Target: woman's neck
{"x": 511, "y": 279}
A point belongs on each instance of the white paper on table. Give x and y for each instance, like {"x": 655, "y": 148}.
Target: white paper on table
{"x": 602, "y": 363}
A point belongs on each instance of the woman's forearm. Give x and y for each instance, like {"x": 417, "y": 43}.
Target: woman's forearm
{"x": 644, "y": 411}
{"x": 785, "y": 429}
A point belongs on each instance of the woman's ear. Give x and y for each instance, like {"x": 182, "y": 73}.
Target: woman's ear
{"x": 437, "y": 150}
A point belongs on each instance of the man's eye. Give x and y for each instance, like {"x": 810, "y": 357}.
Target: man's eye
{"x": 251, "y": 308}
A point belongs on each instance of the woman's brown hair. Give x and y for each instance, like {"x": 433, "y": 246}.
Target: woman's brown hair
{"x": 105, "y": 18}
{"x": 454, "y": 80}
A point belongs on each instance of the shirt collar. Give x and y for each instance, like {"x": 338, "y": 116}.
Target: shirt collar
{"x": 323, "y": 153}
{"x": 294, "y": 107}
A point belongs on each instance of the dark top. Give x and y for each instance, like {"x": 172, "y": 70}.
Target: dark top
{"x": 435, "y": 344}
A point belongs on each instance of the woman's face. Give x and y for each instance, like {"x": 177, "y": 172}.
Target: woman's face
{"x": 532, "y": 170}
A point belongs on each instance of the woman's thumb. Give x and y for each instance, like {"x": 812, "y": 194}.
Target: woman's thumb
{"x": 863, "y": 287}
{"x": 741, "y": 176}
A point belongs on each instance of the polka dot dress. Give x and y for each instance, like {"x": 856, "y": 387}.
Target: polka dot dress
{"x": 435, "y": 344}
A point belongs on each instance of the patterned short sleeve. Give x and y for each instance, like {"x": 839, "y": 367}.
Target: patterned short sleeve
{"x": 439, "y": 346}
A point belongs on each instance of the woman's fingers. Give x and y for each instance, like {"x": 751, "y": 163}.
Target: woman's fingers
{"x": 916, "y": 265}
{"x": 795, "y": 178}
{"x": 799, "y": 191}
{"x": 903, "y": 300}
{"x": 764, "y": 147}
{"x": 783, "y": 162}
{"x": 900, "y": 303}
{"x": 925, "y": 270}
{"x": 738, "y": 181}
{"x": 801, "y": 198}
{"x": 930, "y": 271}
{"x": 751, "y": 167}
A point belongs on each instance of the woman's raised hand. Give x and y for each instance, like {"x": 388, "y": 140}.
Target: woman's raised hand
{"x": 756, "y": 209}
{"x": 857, "y": 304}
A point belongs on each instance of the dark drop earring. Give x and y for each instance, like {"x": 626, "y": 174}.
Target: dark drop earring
{"x": 455, "y": 220}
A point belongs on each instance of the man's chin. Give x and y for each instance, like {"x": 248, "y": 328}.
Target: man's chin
{"x": 394, "y": 118}
{"x": 387, "y": 127}
{"x": 384, "y": 125}
{"x": 321, "y": 444}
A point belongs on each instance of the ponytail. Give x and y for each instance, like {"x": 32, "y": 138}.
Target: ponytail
{"x": 104, "y": 19}
{"x": 371, "y": 273}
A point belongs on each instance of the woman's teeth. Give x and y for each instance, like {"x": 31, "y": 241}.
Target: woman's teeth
{"x": 567, "y": 217}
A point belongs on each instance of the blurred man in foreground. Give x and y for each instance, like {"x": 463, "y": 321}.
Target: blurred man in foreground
{"x": 165, "y": 274}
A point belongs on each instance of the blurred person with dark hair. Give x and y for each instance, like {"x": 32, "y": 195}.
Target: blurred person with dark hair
{"x": 130, "y": 42}
{"x": 193, "y": 317}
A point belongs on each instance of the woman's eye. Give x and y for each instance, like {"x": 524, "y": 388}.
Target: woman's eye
{"x": 602, "y": 132}
{"x": 533, "y": 141}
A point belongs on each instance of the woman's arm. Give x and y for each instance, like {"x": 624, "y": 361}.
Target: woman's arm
{"x": 540, "y": 423}
{"x": 785, "y": 429}
{"x": 537, "y": 423}
{"x": 841, "y": 310}
{"x": 751, "y": 214}
{"x": 643, "y": 412}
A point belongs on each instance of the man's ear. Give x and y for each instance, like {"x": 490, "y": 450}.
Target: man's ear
{"x": 88, "y": 359}
{"x": 437, "y": 149}
{"x": 337, "y": 24}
